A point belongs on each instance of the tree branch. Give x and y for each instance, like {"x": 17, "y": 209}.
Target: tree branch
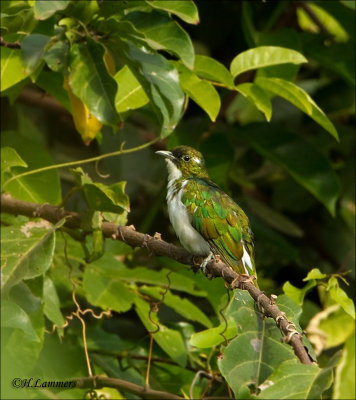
{"x": 159, "y": 247}
{"x": 98, "y": 381}
{"x": 9, "y": 45}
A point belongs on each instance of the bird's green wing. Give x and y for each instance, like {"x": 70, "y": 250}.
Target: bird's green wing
{"x": 221, "y": 222}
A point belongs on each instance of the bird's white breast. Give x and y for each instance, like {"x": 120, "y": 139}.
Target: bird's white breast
{"x": 190, "y": 238}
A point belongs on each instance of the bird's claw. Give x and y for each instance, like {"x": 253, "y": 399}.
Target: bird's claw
{"x": 205, "y": 263}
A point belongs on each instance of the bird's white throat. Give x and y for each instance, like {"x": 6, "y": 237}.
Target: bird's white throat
{"x": 174, "y": 172}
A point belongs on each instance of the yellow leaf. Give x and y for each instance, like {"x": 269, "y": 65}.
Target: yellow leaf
{"x": 110, "y": 63}
{"x": 85, "y": 122}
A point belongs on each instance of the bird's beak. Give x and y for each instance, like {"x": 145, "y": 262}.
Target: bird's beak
{"x": 165, "y": 154}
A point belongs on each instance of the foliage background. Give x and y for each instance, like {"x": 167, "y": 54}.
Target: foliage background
{"x": 292, "y": 176}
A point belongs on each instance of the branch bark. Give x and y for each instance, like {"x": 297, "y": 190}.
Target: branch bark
{"x": 9, "y": 45}
{"x": 159, "y": 247}
{"x": 97, "y": 382}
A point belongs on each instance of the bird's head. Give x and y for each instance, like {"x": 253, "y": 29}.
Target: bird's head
{"x": 185, "y": 162}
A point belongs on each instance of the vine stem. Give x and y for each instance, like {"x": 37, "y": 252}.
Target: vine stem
{"x": 80, "y": 162}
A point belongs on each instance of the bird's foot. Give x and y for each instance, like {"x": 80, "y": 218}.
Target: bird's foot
{"x": 205, "y": 263}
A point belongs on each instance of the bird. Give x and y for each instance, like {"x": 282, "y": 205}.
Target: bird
{"x": 206, "y": 220}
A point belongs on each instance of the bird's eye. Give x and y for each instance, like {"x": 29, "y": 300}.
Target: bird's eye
{"x": 186, "y": 158}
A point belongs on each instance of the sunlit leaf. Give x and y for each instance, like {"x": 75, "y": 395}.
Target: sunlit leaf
{"x": 213, "y": 336}
{"x": 306, "y": 22}
{"x": 209, "y": 68}
{"x": 130, "y": 94}
{"x": 258, "y": 97}
{"x": 186, "y": 10}
{"x": 297, "y": 96}
{"x": 340, "y": 296}
{"x": 296, "y": 294}
{"x": 264, "y": 56}
{"x": 44, "y": 9}
{"x": 201, "y": 91}
{"x": 12, "y": 70}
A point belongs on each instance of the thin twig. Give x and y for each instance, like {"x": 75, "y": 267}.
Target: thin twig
{"x": 9, "y": 45}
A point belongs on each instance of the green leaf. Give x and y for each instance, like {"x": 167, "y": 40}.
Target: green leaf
{"x": 201, "y": 91}
{"x": 163, "y": 33}
{"x": 273, "y": 218}
{"x": 52, "y": 309}
{"x": 12, "y": 70}
{"x": 340, "y": 297}
{"x": 292, "y": 380}
{"x": 56, "y": 56}
{"x": 297, "y": 96}
{"x": 208, "y": 68}
{"x": 10, "y": 159}
{"x": 91, "y": 82}
{"x": 38, "y": 188}
{"x": 306, "y": 22}
{"x": 257, "y": 96}
{"x": 17, "y": 18}
{"x": 213, "y": 336}
{"x": 350, "y": 4}
{"x": 105, "y": 292}
{"x": 330, "y": 327}
{"x": 13, "y": 316}
{"x": 344, "y": 386}
{"x": 160, "y": 81}
{"x": 304, "y": 163}
{"x": 102, "y": 197}
{"x": 28, "y": 251}
{"x": 181, "y": 306}
{"x": 296, "y": 294}
{"x": 314, "y": 274}
{"x": 264, "y": 56}
{"x": 44, "y": 9}
{"x": 169, "y": 340}
{"x": 257, "y": 349}
{"x": 186, "y": 10}
{"x": 130, "y": 94}
{"x": 32, "y": 49}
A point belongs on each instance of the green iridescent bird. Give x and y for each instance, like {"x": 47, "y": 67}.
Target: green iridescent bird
{"x": 206, "y": 220}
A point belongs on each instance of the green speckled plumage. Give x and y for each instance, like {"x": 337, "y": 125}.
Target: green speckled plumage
{"x": 220, "y": 221}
